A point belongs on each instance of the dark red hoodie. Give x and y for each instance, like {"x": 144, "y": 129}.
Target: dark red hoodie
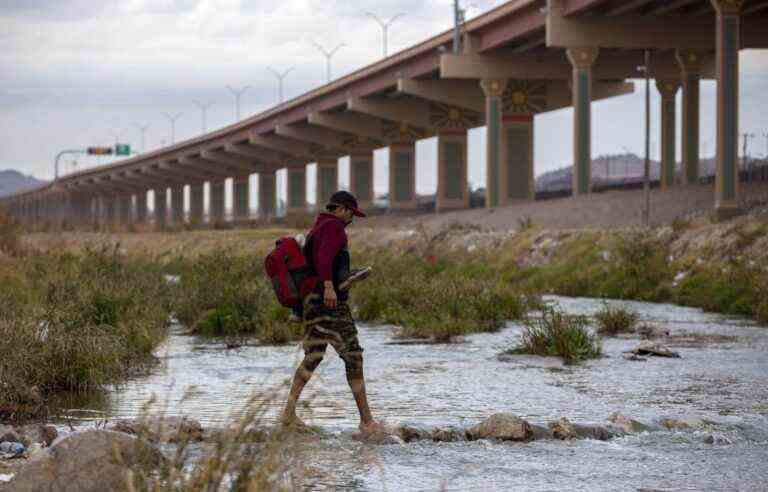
{"x": 326, "y": 249}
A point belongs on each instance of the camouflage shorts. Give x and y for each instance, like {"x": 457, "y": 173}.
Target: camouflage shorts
{"x": 329, "y": 326}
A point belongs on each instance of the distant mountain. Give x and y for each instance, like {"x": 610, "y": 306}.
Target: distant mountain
{"x": 12, "y": 181}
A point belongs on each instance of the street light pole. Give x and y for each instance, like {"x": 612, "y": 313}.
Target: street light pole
{"x": 143, "y": 129}
{"x": 328, "y": 55}
{"x": 172, "y": 118}
{"x": 458, "y": 19}
{"x": 204, "y": 109}
{"x": 238, "y": 93}
{"x": 385, "y": 26}
{"x": 647, "y": 173}
{"x": 280, "y": 77}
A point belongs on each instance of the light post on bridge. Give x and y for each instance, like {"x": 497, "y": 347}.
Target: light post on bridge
{"x": 328, "y": 55}
{"x": 238, "y": 93}
{"x": 280, "y": 77}
{"x": 204, "y": 109}
{"x": 172, "y": 119}
{"x": 385, "y": 26}
{"x": 143, "y": 130}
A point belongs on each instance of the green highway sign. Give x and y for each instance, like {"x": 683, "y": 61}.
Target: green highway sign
{"x": 122, "y": 149}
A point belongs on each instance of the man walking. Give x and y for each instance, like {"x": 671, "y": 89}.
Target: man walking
{"x": 328, "y": 319}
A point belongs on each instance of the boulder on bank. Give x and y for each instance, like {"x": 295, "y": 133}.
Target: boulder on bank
{"x": 656, "y": 349}
{"x": 502, "y": 426}
{"x": 448, "y": 434}
{"x": 90, "y": 461}
{"x": 627, "y": 425}
{"x": 163, "y": 429}
{"x": 563, "y": 429}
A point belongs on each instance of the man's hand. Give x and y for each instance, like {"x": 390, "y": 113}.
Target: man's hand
{"x": 329, "y": 297}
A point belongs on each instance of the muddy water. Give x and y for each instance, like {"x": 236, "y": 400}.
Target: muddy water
{"x": 724, "y": 380}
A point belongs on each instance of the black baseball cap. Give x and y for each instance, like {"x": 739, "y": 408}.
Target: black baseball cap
{"x": 348, "y": 200}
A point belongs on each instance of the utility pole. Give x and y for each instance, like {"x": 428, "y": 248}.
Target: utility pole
{"x": 647, "y": 173}
{"x": 204, "y": 109}
{"x": 143, "y": 129}
{"x": 328, "y": 55}
{"x": 458, "y": 19}
{"x": 280, "y": 77}
{"x": 172, "y": 119}
{"x": 385, "y": 26}
{"x": 238, "y": 93}
{"x": 745, "y": 155}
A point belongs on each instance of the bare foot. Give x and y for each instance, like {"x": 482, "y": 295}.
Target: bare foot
{"x": 293, "y": 422}
{"x": 372, "y": 427}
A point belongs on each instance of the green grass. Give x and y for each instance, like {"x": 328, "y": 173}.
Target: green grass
{"x": 612, "y": 320}
{"x": 555, "y": 333}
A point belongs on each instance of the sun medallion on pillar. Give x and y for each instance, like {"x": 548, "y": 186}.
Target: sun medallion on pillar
{"x": 402, "y": 132}
{"x": 444, "y": 116}
{"x": 525, "y": 96}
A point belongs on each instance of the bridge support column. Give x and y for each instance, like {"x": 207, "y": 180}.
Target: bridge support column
{"x": 582, "y": 60}
{"x": 690, "y": 64}
{"x": 196, "y": 204}
{"x": 161, "y": 207}
{"x": 267, "y": 194}
{"x": 452, "y": 185}
{"x": 668, "y": 90}
{"x": 327, "y": 181}
{"x": 216, "y": 212}
{"x": 124, "y": 205}
{"x": 727, "y": 173}
{"x": 110, "y": 210}
{"x": 361, "y": 177}
{"x": 518, "y": 181}
{"x": 402, "y": 176}
{"x": 494, "y": 109}
{"x": 297, "y": 190}
{"x": 177, "y": 204}
{"x": 141, "y": 207}
{"x": 241, "y": 198}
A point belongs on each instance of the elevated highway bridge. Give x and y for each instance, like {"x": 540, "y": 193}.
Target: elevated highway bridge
{"x": 520, "y": 59}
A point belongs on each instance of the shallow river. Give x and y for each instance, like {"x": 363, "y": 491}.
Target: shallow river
{"x": 725, "y": 381}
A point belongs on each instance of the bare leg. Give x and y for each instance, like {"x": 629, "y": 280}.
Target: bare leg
{"x": 361, "y": 398}
{"x": 300, "y": 379}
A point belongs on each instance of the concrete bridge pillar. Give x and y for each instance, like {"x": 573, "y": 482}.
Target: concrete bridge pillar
{"x": 241, "y": 198}
{"x": 297, "y": 190}
{"x": 141, "y": 207}
{"x": 161, "y": 207}
{"x": 177, "y": 204}
{"x": 327, "y": 181}
{"x": 216, "y": 212}
{"x": 582, "y": 60}
{"x": 690, "y": 64}
{"x": 267, "y": 194}
{"x": 728, "y": 42}
{"x": 110, "y": 209}
{"x": 494, "y": 90}
{"x": 402, "y": 176}
{"x": 124, "y": 206}
{"x": 668, "y": 90}
{"x": 361, "y": 177}
{"x": 452, "y": 185}
{"x": 196, "y": 203}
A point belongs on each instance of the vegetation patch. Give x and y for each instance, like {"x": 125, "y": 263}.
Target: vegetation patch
{"x": 555, "y": 333}
{"x": 613, "y": 320}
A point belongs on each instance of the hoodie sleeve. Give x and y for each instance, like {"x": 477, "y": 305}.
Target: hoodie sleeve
{"x": 332, "y": 240}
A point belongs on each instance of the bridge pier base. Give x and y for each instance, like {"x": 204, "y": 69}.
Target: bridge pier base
{"x": 241, "y": 204}
{"x": 690, "y": 64}
{"x": 452, "y": 185}
{"x": 124, "y": 205}
{"x": 668, "y": 90}
{"x": 727, "y": 174}
{"x": 361, "y": 178}
{"x": 582, "y": 60}
{"x": 141, "y": 207}
{"x": 327, "y": 181}
{"x": 177, "y": 204}
{"x": 196, "y": 204}
{"x": 161, "y": 208}
{"x": 402, "y": 176}
{"x": 297, "y": 190}
{"x": 267, "y": 194}
{"x": 216, "y": 207}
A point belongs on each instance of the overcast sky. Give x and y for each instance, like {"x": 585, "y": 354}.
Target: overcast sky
{"x": 75, "y": 73}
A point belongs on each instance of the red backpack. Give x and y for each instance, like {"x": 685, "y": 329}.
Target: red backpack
{"x": 289, "y": 272}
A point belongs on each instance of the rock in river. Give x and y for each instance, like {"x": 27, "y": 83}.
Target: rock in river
{"x": 503, "y": 426}
{"x": 90, "y": 461}
{"x": 648, "y": 348}
{"x": 163, "y": 429}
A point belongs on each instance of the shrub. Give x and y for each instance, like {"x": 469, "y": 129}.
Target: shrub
{"x": 226, "y": 294}
{"x": 10, "y": 236}
{"x": 612, "y": 320}
{"x": 558, "y": 334}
